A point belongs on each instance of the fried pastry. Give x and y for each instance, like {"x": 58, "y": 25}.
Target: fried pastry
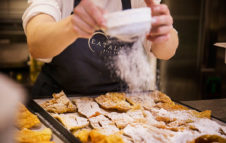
{"x": 25, "y": 119}
{"x": 87, "y": 107}
{"x": 136, "y": 115}
{"x": 139, "y": 118}
{"x": 209, "y": 139}
{"x": 103, "y": 123}
{"x": 114, "y": 101}
{"x": 160, "y": 97}
{"x": 59, "y": 104}
{"x": 204, "y": 114}
{"x": 29, "y": 136}
{"x": 146, "y": 101}
{"x": 98, "y": 137}
{"x": 72, "y": 121}
{"x": 83, "y": 135}
{"x": 120, "y": 119}
{"x": 141, "y": 133}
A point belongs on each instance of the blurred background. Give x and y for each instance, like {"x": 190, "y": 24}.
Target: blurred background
{"x": 196, "y": 72}
{"x": 14, "y": 55}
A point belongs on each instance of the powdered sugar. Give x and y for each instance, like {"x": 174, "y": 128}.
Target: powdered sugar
{"x": 134, "y": 68}
{"x": 207, "y": 126}
{"x": 146, "y": 134}
{"x": 132, "y": 65}
{"x": 177, "y": 114}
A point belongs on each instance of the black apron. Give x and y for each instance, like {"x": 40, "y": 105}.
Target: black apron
{"x": 84, "y": 67}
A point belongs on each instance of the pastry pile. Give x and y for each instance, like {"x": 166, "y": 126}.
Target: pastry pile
{"x": 134, "y": 118}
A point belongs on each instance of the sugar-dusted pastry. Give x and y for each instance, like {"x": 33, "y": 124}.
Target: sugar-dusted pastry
{"x": 144, "y": 100}
{"x": 120, "y": 119}
{"x": 72, "y": 121}
{"x": 59, "y": 104}
{"x": 114, "y": 101}
{"x": 87, "y": 107}
{"x": 103, "y": 123}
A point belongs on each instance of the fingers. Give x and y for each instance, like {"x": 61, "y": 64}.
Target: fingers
{"x": 82, "y": 25}
{"x": 81, "y": 12}
{"x": 162, "y": 23}
{"x": 87, "y": 18}
{"x": 150, "y": 3}
{"x": 159, "y": 39}
{"x": 94, "y": 12}
{"x": 160, "y": 10}
{"x": 161, "y": 30}
{"x": 162, "y": 20}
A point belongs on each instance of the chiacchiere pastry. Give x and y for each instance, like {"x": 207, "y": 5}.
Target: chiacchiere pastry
{"x": 72, "y": 121}
{"x": 139, "y": 118}
{"x": 114, "y": 101}
{"x": 25, "y": 119}
{"x": 59, "y": 104}
{"x": 30, "y": 136}
{"x": 103, "y": 123}
{"x": 87, "y": 107}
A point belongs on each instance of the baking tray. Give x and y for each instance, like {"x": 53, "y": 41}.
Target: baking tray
{"x": 44, "y": 124}
{"x": 222, "y": 122}
{"x": 65, "y": 134}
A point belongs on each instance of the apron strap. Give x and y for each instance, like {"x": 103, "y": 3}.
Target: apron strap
{"x": 76, "y": 2}
{"x": 126, "y": 4}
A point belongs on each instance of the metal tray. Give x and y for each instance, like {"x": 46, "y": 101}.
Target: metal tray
{"x": 45, "y": 124}
{"x": 62, "y": 134}
{"x": 221, "y": 122}
{"x": 65, "y": 134}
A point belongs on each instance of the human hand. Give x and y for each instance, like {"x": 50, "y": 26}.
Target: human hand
{"x": 87, "y": 18}
{"x": 162, "y": 22}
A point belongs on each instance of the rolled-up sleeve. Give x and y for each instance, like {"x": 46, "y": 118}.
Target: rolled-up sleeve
{"x": 50, "y": 7}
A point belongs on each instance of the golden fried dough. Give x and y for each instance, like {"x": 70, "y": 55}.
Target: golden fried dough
{"x": 25, "y": 119}
{"x": 98, "y": 137}
{"x": 114, "y": 101}
{"x": 83, "y": 135}
{"x": 59, "y": 104}
{"x": 29, "y": 136}
{"x": 72, "y": 121}
{"x": 87, "y": 107}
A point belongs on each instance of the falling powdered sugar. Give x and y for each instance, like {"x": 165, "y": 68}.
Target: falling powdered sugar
{"x": 133, "y": 66}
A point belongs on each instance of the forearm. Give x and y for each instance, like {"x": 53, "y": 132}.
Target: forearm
{"x": 47, "y": 38}
{"x": 165, "y": 50}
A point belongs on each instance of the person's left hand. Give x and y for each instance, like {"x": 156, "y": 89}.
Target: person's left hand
{"x": 162, "y": 22}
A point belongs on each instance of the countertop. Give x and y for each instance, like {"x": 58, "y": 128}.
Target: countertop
{"x": 217, "y": 106}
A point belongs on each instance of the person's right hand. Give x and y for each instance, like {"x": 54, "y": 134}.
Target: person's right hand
{"x": 87, "y": 18}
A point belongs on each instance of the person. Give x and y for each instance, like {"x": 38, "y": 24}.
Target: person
{"x": 63, "y": 32}
{"x": 11, "y": 94}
